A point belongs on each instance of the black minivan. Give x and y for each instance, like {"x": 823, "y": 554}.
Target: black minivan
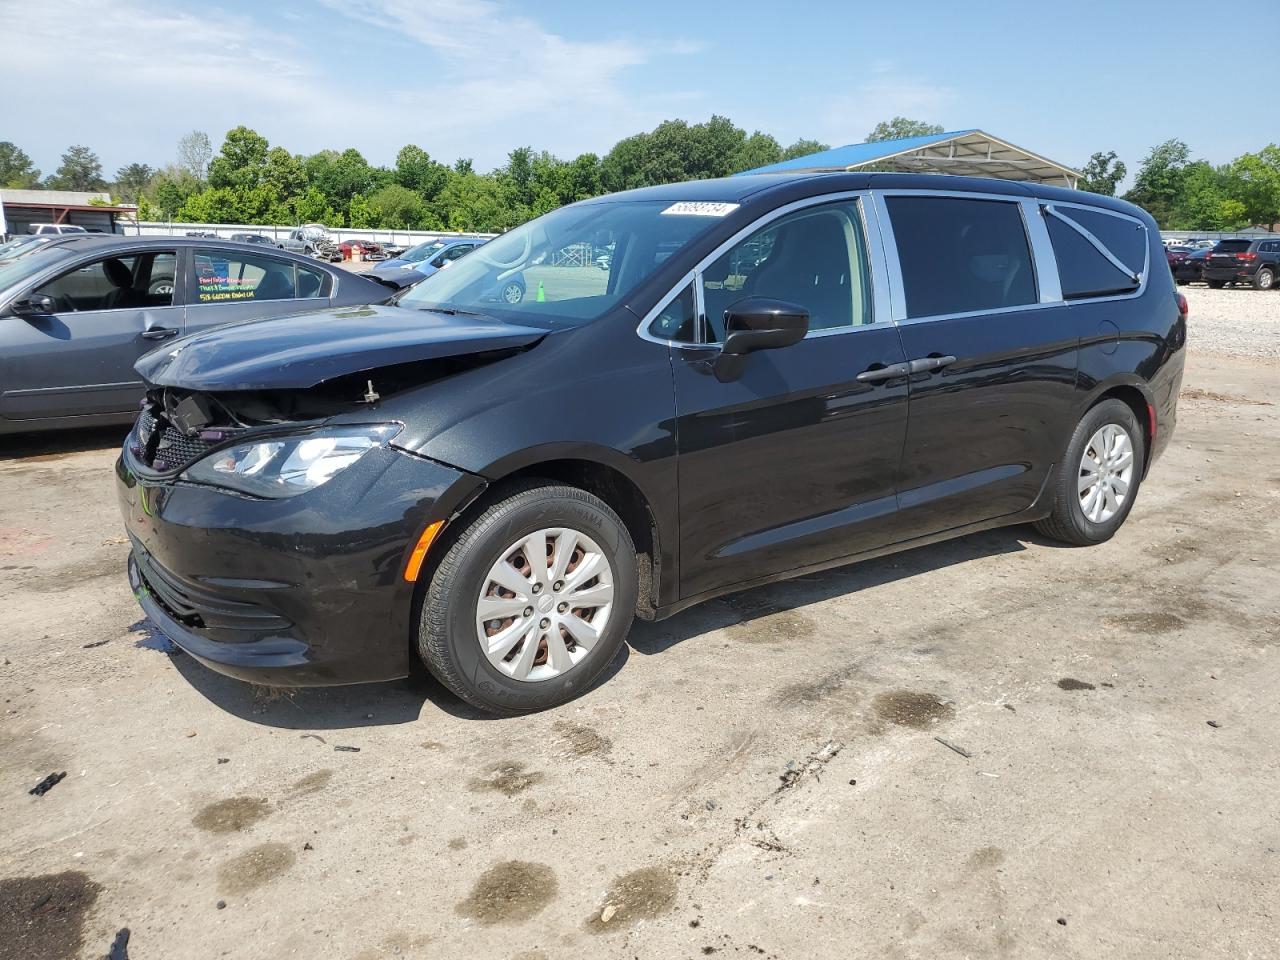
{"x": 773, "y": 374}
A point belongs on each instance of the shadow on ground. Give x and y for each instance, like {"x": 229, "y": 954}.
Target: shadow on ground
{"x": 37, "y": 447}
{"x": 407, "y": 701}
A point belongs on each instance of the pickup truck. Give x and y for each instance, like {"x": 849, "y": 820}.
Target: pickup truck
{"x": 311, "y": 239}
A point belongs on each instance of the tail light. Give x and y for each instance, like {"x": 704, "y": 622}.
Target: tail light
{"x": 1246, "y": 256}
{"x": 1183, "y": 307}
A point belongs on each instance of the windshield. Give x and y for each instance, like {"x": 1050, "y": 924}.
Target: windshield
{"x": 567, "y": 267}
{"x": 15, "y": 270}
{"x": 422, "y": 251}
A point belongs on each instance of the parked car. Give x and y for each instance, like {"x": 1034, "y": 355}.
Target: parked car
{"x": 1256, "y": 262}
{"x": 349, "y": 248}
{"x": 254, "y": 238}
{"x": 310, "y": 240}
{"x": 203, "y": 235}
{"x": 43, "y": 229}
{"x": 430, "y": 256}
{"x": 820, "y": 369}
{"x": 1176, "y": 253}
{"x": 77, "y": 315}
{"x": 1190, "y": 269}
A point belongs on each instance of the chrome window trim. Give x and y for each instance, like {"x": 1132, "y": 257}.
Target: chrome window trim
{"x": 1045, "y": 268}
{"x": 876, "y": 264}
{"x": 1048, "y": 281}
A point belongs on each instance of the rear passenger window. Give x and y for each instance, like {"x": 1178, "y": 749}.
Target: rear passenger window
{"x": 961, "y": 256}
{"x": 223, "y": 276}
{"x": 1083, "y": 268}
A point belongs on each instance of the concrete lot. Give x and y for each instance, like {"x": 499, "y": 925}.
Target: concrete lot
{"x": 758, "y": 777}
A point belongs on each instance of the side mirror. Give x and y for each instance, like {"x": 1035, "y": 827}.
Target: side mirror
{"x": 36, "y": 305}
{"x": 757, "y": 323}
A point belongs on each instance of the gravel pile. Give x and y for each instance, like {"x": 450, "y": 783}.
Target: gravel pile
{"x": 1240, "y": 322}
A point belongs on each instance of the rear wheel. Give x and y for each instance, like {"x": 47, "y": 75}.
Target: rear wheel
{"x": 1098, "y": 479}
{"x": 1264, "y": 279}
{"x": 531, "y": 602}
{"x": 1216, "y": 284}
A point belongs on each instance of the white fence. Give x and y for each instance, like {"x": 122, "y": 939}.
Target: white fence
{"x": 406, "y": 237}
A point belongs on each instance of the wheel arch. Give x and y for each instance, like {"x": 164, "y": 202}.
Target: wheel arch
{"x": 1136, "y": 394}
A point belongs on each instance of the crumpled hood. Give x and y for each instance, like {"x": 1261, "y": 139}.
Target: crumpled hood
{"x": 300, "y": 351}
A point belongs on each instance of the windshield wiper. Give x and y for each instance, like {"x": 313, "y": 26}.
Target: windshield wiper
{"x": 455, "y": 312}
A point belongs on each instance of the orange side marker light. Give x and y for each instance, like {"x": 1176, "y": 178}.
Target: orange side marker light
{"x": 414, "y": 567}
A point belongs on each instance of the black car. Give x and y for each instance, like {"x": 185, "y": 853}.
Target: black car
{"x": 1256, "y": 262}
{"x": 76, "y": 315}
{"x": 775, "y": 375}
{"x": 1190, "y": 269}
{"x": 254, "y": 238}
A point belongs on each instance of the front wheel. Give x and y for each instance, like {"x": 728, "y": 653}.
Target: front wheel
{"x": 1099, "y": 476}
{"x": 513, "y": 291}
{"x": 531, "y": 601}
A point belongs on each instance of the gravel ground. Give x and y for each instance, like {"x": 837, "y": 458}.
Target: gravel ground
{"x": 992, "y": 747}
{"x": 1236, "y": 322}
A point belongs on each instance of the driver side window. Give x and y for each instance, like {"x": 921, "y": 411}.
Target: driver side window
{"x": 814, "y": 257}
{"x": 114, "y": 283}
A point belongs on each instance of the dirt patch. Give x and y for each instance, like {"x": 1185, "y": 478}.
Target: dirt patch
{"x": 231, "y": 815}
{"x": 911, "y": 708}
{"x": 42, "y": 918}
{"x": 507, "y": 777}
{"x": 510, "y": 892}
{"x": 1070, "y": 683}
{"x": 458, "y": 843}
{"x": 75, "y": 575}
{"x": 1194, "y": 393}
{"x": 809, "y": 692}
{"x": 986, "y": 858}
{"x": 256, "y": 866}
{"x": 312, "y": 783}
{"x": 581, "y": 740}
{"x": 1150, "y": 622}
{"x": 643, "y": 894}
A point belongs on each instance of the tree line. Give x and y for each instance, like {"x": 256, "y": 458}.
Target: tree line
{"x": 250, "y": 181}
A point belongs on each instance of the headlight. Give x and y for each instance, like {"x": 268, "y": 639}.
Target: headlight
{"x": 288, "y": 466}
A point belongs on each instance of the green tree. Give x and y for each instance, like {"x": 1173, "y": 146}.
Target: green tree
{"x": 1102, "y": 173}
{"x": 241, "y": 161}
{"x": 803, "y": 148}
{"x": 418, "y": 172}
{"x": 360, "y": 213}
{"x": 757, "y": 150}
{"x": 283, "y": 172}
{"x": 1158, "y": 185}
{"x": 16, "y": 169}
{"x": 131, "y": 179}
{"x": 474, "y": 203}
{"x": 80, "y": 170}
{"x": 899, "y": 128}
{"x": 1256, "y": 178}
{"x": 397, "y": 208}
{"x": 313, "y": 207}
{"x": 1206, "y": 200}
{"x": 340, "y": 176}
{"x": 194, "y": 152}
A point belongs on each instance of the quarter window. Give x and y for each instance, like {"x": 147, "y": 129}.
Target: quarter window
{"x": 676, "y": 320}
{"x": 961, "y": 256}
{"x": 223, "y": 277}
{"x": 135, "y": 281}
{"x": 1083, "y": 269}
{"x": 814, "y": 257}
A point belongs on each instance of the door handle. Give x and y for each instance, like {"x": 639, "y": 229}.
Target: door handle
{"x": 159, "y": 333}
{"x": 884, "y": 373}
{"x": 925, "y": 364}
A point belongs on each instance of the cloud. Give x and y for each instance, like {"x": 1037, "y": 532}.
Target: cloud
{"x": 135, "y": 75}
{"x": 850, "y": 116}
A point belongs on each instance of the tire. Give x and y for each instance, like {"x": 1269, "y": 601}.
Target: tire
{"x": 448, "y": 632}
{"x": 1216, "y": 284}
{"x": 161, "y": 286}
{"x": 1069, "y": 523}
{"x": 1264, "y": 279}
{"x": 512, "y": 292}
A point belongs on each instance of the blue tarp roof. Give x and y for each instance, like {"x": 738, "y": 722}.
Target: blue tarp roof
{"x": 855, "y": 154}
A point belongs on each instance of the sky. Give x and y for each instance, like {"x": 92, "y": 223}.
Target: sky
{"x": 475, "y": 78}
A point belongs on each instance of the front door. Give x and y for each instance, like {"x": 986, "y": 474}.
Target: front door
{"x": 995, "y": 354}
{"x": 79, "y": 359}
{"x": 792, "y": 463}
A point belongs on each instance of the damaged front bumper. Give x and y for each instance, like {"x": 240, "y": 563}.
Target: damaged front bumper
{"x": 302, "y": 591}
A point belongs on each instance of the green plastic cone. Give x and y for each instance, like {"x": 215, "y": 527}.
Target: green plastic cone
{"x": 542, "y": 293}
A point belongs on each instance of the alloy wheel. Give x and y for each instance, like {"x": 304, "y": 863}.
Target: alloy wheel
{"x": 1106, "y": 473}
{"x": 544, "y": 604}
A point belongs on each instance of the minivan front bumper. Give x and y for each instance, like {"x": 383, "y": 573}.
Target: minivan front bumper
{"x": 304, "y": 591}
